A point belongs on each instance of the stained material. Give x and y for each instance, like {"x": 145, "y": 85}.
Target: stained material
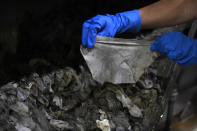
{"x": 118, "y": 60}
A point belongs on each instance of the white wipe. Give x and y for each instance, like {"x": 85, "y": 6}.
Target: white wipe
{"x": 118, "y": 60}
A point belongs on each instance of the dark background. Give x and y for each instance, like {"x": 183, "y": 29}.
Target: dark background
{"x": 12, "y": 11}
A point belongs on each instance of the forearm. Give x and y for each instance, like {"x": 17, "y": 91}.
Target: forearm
{"x": 168, "y": 13}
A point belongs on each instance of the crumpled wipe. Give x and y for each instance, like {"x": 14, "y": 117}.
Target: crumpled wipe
{"x": 103, "y": 123}
{"x": 118, "y": 60}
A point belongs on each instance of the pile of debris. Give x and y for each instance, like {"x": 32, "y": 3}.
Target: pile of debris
{"x": 65, "y": 100}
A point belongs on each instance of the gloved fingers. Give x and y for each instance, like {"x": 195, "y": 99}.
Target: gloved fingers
{"x": 108, "y": 32}
{"x": 91, "y": 38}
{"x": 185, "y": 61}
{"x": 158, "y": 46}
{"x": 99, "y": 19}
{"x": 180, "y": 59}
{"x": 190, "y": 61}
{"x": 89, "y": 32}
{"x": 103, "y": 33}
{"x": 102, "y": 21}
{"x": 108, "y": 24}
{"x": 163, "y": 45}
{"x": 154, "y": 46}
{"x": 188, "y": 50}
{"x": 175, "y": 55}
{"x": 85, "y": 30}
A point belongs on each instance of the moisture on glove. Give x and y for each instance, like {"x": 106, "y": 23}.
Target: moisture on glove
{"x": 178, "y": 47}
{"x": 109, "y": 25}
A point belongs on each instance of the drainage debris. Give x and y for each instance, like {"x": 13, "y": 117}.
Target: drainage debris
{"x": 103, "y": 123}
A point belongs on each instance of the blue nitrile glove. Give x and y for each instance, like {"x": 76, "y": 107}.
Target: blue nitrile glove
{"x": 177, "y": 47}
{"x": 109, "y": 25}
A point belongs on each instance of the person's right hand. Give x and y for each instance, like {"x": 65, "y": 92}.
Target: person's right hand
{"x": 109, "y": 25}
{"x": 178, "y": 47}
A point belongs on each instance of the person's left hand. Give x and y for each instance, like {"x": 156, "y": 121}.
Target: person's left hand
{"x": 109, "y": 25}
{"x": 177, "y": 47}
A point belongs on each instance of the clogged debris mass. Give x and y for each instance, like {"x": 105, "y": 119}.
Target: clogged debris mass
{"x": 66, "y": 100}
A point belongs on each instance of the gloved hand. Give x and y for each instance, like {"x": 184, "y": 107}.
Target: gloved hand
{"x": 177, "y": 47}
{"x": 109, "y": 25}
